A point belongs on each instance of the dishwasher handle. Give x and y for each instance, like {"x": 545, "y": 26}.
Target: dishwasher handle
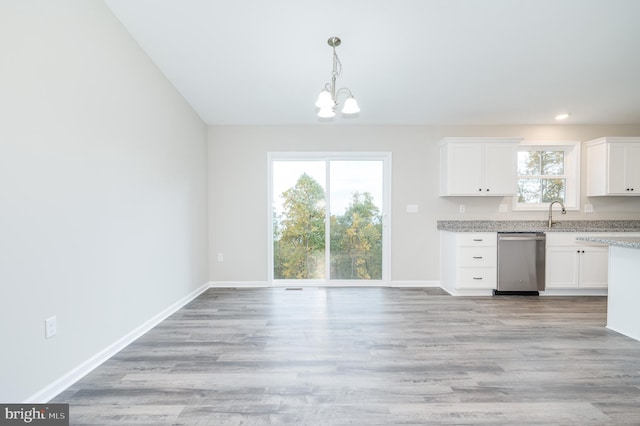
{"x": 521, "y": 238}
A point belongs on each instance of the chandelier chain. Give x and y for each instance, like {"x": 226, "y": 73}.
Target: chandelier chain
{"x": 337, "y": 65}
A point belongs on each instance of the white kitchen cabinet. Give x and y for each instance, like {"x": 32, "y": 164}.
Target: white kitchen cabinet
{"x": 612, "y": 166}
{"x": 572, "y": 264}
{"x": 468, "y": 261}
{"x": 576, "y": 266}
{"x": 478, "y": 166}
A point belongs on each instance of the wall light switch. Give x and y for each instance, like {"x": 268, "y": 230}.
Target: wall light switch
{"x": 504, "y": 208}
{"x": 461, "y": 208}
{"x": 588, "y": 208}
{"x": 220, "y": 257}
{"x": 412, "y": 208}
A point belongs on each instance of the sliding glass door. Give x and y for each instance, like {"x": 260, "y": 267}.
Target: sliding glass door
{"x": 329, "y": 223}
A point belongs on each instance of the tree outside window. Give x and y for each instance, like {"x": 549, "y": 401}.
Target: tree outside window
{"x": 541, "y": 176}
{"x": 299, "y": 235}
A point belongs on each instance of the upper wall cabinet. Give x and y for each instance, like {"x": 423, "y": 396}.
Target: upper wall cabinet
{"x": 613, "y": 166}
{"x": 478, "y": 166}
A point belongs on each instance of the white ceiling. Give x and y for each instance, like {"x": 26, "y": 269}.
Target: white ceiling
{"x": 408, "y": 62}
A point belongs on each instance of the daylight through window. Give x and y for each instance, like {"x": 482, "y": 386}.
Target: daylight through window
{"x": 541, "y": 177}
{"x": 327, "y": 216}
{"x": 548, "y": 172}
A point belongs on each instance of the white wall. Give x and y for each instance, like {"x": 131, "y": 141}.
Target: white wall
{"x": 238, "y": 189}
{"x": 103, "y": 212}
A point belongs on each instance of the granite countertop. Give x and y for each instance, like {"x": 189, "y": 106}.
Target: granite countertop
{"x": 539, "y": 226}
{"x": 629, "y": 242}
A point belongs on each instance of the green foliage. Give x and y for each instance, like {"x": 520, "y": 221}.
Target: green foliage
{"x": 299, "y": 236}
{"x": 356, "y": 240}
{"x": 537, "y": 183}
{"x": 300, "y": 243}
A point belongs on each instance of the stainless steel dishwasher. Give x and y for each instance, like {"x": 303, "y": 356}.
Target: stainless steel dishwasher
{"x": 521, "y": 263}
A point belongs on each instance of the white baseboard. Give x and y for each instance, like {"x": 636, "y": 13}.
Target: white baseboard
{"x": 575, "y": 292}
{"x": 58, "y": 386}
{"x": 418, "y": 284}
{"x": 469, "y": 292}
{"x": 238, "y": 284}
{"x": 260, "y": 284}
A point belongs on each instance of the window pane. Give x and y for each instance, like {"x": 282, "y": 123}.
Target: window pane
{"x": 356, "y": 222}
{"x": 298, "y": 219}
{"x": 528, "y": 163}
{"x": 552, "y": 189}
{"x": 529, "y": 190}
{"x": 552, "y": 162}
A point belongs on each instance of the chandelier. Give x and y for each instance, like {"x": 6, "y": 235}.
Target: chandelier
{"x": 328, "y": 98}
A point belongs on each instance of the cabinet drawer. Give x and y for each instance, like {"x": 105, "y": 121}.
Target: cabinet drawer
{"x": 484, "y": 257}
{"x": 477, "y": 277}
{"x": 478, "y": 239}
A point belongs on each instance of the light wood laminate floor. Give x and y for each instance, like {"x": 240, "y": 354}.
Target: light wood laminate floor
{"x": 369, "y": 356}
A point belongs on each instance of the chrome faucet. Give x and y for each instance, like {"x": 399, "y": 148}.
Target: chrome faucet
{"x": 551, "y": 222}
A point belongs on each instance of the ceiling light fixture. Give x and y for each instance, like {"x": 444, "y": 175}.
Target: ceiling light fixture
{"x": 328, "y": 98}
{"x": 562, "y": 116}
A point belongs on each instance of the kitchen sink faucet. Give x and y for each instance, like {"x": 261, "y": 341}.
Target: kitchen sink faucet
{"x": 551, "y": 222}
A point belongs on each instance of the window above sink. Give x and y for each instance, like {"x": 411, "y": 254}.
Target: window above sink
{"x": 548, "y": 171}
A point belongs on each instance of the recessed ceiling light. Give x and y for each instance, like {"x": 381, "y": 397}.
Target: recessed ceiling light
{"x": 562, "y": 116}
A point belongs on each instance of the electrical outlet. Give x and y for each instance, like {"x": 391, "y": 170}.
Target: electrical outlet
{"x": 412, "y": 208}
{"x": 461, "y": 208}
{"x": 588, "y": 208}
{"x": 220, "y": 257}
{"x": 504, "y": 208}
{"x": 50, "y": 327}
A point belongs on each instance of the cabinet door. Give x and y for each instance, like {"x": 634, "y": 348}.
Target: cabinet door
{"x": 562, "y": 267}
{"x": 617, "y": 169}
{"x": 465, "y": 169}
{"x": 594, "y": 267}
{"x": 500, "y": 173}
{"x": 632, "y": 168}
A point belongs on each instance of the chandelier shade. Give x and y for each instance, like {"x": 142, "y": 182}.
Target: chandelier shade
{"x": 350, "y": 106}
{"x": 326, "y": 113}
{"x": 325, "y": 100}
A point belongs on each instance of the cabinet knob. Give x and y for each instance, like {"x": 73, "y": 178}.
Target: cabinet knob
{"x": 480, "y": 189}
{"x": 488, "y": 190}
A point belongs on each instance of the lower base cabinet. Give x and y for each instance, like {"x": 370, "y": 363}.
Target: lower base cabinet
{"x": 468, "y": 261}
{"x": 575, "y": 265}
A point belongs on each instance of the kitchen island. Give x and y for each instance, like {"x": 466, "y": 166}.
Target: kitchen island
{"x": 623, "y": 305}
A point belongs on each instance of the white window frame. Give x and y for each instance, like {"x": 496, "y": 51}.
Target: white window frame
{"x": 385, "y": 157}
{"x": 572, "y": 156}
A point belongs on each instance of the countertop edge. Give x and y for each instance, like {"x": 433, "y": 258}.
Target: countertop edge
{"x": 628, "y": 242}
{"x": 538, "y": 226}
